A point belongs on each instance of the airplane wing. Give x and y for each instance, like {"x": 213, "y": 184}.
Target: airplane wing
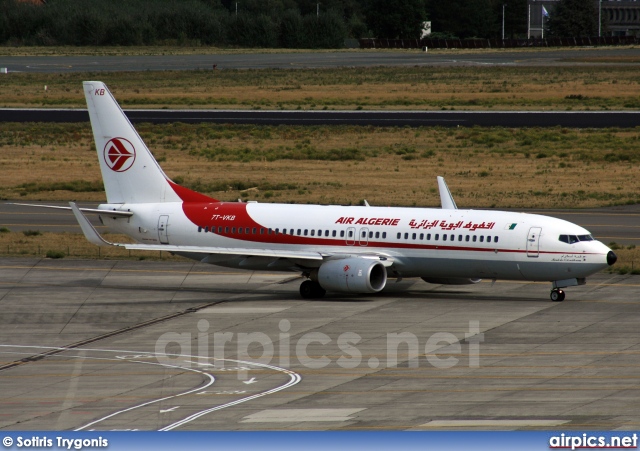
{"x": 445, "y": 195}
{"x": 94, "y": 237}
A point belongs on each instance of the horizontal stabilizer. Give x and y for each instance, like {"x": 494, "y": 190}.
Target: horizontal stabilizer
{"x": 123, "y": 214}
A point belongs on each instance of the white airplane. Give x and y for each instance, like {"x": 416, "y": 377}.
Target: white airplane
{"x": 343, "y": 249}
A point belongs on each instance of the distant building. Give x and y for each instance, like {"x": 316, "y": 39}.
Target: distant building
{"x": 620, "y": 17}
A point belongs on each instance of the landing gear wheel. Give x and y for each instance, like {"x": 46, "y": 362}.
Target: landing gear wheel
{"x": 311, "y": 290}
{"x": 557, "y": 295}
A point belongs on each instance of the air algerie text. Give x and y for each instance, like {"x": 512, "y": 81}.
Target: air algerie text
{"x": 369, "y": 221}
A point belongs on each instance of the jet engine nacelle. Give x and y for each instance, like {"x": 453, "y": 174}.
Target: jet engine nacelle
{"x": 450, "y": 280}
{"x": 352, "y": 275}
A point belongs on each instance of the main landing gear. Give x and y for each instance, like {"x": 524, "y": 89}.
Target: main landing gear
{"x": 311, "y": 290}
{"x": 557, "y": 295}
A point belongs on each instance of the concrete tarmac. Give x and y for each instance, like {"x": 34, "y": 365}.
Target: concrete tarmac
{"x": 112, "y": 345}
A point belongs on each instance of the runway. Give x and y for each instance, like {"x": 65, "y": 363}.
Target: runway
{"x": 300, "y": 60}
{"x": 620, "y": 224}
{"x": 231, "y": 350}
{"x": 578, "y": 119}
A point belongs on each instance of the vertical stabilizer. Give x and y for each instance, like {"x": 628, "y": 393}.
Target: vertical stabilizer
{"x": 129, "y": 170}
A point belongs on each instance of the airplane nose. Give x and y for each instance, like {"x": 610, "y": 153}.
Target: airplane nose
{"x": 611, "y": 258}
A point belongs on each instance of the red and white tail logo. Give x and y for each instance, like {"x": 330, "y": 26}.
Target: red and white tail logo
{"x": 119, "y": 154}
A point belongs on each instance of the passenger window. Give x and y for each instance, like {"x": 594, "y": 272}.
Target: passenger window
{"x": 406, "y": 236}
{"x": 220, "y": 229}
{"x": 482, "y": 238}
{"x": 377, "y": 234}
{"x": 350, "y": 234}
{"x": 475, "y": 238}
{"x": 466, "y": 238}
{"x": 495, "y": 239}
{"x": 233, "y": 230}
{"x": 299, "y": 232}
{"x": 333, "y": 233}
{"x": 269, "y": 231}
{"x": 370, "y": 234}
{"x": 428, "y": 237}
{"x": 413, "y": 237}
{"x": 306, "y": 232}
{"x": 277, "y": 230}
{"x": 199, "y": 229}
{"x": 239, "y": 230}
{"x": 421, "y": 236}
{"x": 226, "y": 230}
{"x": 399, "y": 235}
{"x": 326, "y": 233}
{"x": 246, "y": 230}
{"x": 437, "y": 236}
{"x": 313, "y": 232}
{"x": 444, "y": 237}
{"x": 341, "y": 233}
{"x": 488, "y": 239}
{"x": 384, "y": 234}
{"x": 261, "y": 231}
{"x": 254, "y": 231}
{"x": 459, "y": 237}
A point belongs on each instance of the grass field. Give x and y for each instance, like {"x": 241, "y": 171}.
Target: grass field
{"x": 485, "y": 167}
{"x": 606, "y": 87}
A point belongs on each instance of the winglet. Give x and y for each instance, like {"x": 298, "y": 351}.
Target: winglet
{"x": 90, "y": 233}
{"x": 445, "y": 195}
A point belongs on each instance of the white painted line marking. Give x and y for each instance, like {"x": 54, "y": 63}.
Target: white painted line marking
{"x": 294, "y": 378}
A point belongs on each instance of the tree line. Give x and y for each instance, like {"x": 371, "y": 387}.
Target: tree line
{"x": 271, "y": 23}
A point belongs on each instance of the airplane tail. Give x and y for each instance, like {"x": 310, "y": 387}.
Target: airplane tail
{"x": 129, "y": 171}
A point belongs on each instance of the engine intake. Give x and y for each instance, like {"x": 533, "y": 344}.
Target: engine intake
{"x": 352, "y": 275}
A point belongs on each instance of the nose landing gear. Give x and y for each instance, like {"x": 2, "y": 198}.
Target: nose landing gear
{"x": 557, "y": 295}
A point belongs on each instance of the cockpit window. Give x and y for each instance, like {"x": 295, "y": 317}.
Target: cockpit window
{"x": 570, "y": 239}
{"x": 585, "y": 237}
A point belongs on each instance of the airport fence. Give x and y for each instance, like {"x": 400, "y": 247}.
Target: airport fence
{"x": 496, "y": 43}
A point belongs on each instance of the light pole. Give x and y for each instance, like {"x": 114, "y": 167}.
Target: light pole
{"x": 318, "y": 10}
{"x": 236, "y": 9}
{"x": 503, "y": 5}
{"x": 600, "y": 18}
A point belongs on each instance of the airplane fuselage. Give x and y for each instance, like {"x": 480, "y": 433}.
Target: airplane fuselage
{"x": 431, "y": 243}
